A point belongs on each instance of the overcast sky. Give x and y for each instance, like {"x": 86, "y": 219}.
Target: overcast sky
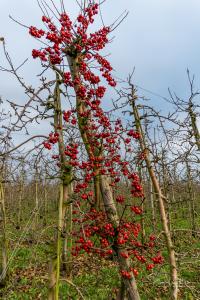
{"x": 160, "y": 38}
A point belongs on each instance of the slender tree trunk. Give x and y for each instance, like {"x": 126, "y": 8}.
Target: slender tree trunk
{"x": 111, "y": 210}
{"x": 97, "y": 189}
{"x": 122, "y": 292}
{"x": 59, "y": 242}
{"x": 19, "y": 215}
{"x": 52, "y": 280}
{"x": 3, "y": 241}
{"x": 45, "y": 202}
{"x": 152, "y": 206}
{"x": 161, "y": 200}
{"x": 67, "y": 236}
{"x": 36, "y": 203}
{"x": 66, "y": 181}
{"x": 193, "y": 118}
{"x": 106, "y": 191}
{"x": 173, "y": 202}
{"x": 191, "y": 200}
{"x": 142, "y": 218}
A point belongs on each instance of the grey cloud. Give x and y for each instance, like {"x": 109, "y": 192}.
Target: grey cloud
{"x": 160, "y": 38}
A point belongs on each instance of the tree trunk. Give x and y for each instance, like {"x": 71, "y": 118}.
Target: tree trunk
{"x": 65, "y": 188}
{"x": 191, "y": 200}
{"x": 111, "y": 211}
{"x": 3, "y": 239}
{"x": 161, "y": 199}
{"x": 106, "y": 191}
{"x": 193, "y": 118}
{"x": 152, "y": 206}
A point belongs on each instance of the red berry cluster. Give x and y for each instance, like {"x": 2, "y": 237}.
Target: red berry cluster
{"x": 40, "y": 54}
{"x": 72, "y": 151}
{"x": 35, "y": 32}
{"x": 157, "y": 259}
{"x": 47, "y": 145}
{"x": 120, "y": 199}
{"x": 53, "y": 139}
{"x": 105, "y": 140}
{"x": 134, "y": 134}
{"x": 63, "y": 40}
{"x": 136, "y": 209}
{"x": 126, "y": 274}
{"x": 137, "y": 190}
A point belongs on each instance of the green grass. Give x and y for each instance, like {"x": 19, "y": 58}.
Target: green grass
{"x": 96, "y": 279}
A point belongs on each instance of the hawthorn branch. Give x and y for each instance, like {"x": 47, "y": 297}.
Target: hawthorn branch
{"x": 23, "y": 143}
